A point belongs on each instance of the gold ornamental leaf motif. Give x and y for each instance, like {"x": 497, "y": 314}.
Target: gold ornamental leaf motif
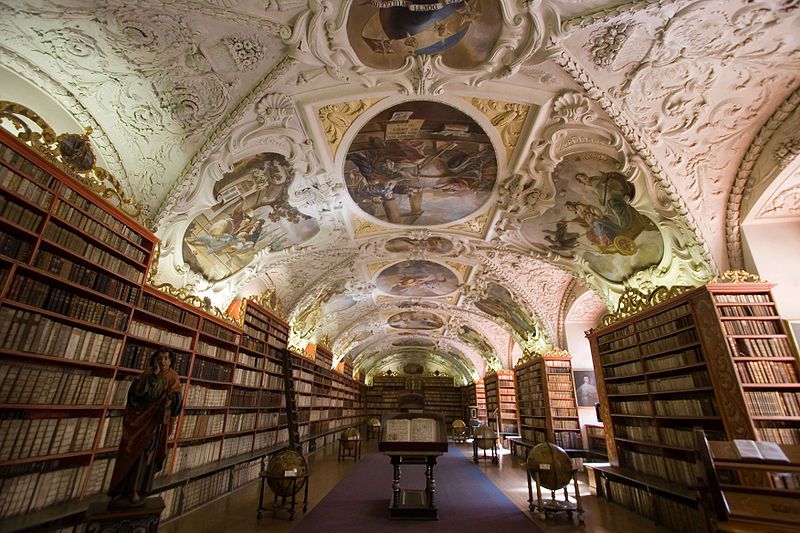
{"x": 269, "y": 300}
{"x": 337, "y": 118}
{"x": 634, "y": 301}
{"x": 557, "y": 352}
{"x": 203, "y": 304}
{"x": 475, "y": 225}
{"x": 508, "y": 118}
{"x": 372, "y": 268}
{"x": 462, "y": 269}
{"x": 738, "y": 276}
{"x": 361, "y": 226}
{"x": 73, "y": 154}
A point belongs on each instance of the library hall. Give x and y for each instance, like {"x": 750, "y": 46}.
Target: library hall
{"x": 341, "y": 266}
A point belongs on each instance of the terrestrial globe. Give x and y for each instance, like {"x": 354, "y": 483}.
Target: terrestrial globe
{"x": 485, "y": 437}
{"x": 559, "y": 472}
{"x": 278, "y": 465}
{"x": 349, "y": 438}
{"x": 459, "y": 427}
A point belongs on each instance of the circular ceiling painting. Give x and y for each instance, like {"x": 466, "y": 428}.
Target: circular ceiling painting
{"x": 415, "y": 320}
{"x": 420, "y": 164}
{"x": 417, "y": 278}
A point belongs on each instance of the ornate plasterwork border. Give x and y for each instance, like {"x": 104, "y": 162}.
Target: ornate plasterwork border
{"x": 618, "y": 118}
{"x": 741, "y": 184}
{"x": 582, "y": 21}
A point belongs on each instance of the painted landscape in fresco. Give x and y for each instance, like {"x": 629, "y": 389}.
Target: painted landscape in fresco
{"x": 499, "y": 303}
{"x": 593, "y": 218}
{"x": 415, "y": 320}
{"x": 420, "y": 164}
{"x": 252, "y": 215}
{"x": 463, "y": 32}
{"x": 417, "y": 278}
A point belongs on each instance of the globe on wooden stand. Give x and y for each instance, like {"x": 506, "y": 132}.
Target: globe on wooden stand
{"x": 459, "y": 431}
{"x": 484, "y": 438}
{"x": 286, "y": 474}
{"x": 550, "y": 467}
{"x": 373, "y": 428}
{"x": 350, "y": 444}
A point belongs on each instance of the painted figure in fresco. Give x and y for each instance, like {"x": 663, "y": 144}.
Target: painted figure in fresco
{"x": 476, "y": 340}
{"x": 500, "y": 304}
{"x": 154, "y": 401}
{"x": 613, "y": 223}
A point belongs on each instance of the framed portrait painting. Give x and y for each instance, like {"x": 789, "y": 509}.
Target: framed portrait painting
{"x": 585, "y": 388}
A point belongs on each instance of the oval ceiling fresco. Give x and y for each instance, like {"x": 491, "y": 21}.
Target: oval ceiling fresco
{"x": 415, "y": 341}
{"x": 436, "y": 245}
{"x": 420, "y": 164}
{"x": 417, "y": 278}
{"x": 252, "y": 214}
{"x": 415, "y": 320}
{"x": 593, "y": 217}
{"x": 384, "y": 32}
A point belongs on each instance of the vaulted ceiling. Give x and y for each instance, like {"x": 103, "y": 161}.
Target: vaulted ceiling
{"x": 425, "y": 184}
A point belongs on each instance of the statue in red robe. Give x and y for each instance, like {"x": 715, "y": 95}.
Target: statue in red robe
{"x": 153, "y": 403}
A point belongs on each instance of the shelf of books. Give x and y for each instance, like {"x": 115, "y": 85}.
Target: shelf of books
{"x": 78, "y": 323}
{"x": 501, "y": 401}
{"x": 326, "y": 401}
{"x": 596, "y": 439}
{"x": 476, "y": 396}
{"x": 443, "y": 397}
{"x": 546, "y": 401}
{"x": 382, "y": 397}
{"x": 715, "y": 357}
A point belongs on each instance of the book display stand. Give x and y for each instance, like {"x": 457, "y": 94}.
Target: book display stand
{"x": 413, "y": 439}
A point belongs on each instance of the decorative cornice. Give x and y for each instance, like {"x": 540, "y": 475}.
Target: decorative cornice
{"x": 337, "y": 118}
{"x": 72, "y": 153}
{"x": 635, "y": 301}
{"x": 269, "y": 299}
{"x": 203, "y": 304}
{"x": 508, "y": 118}
{"x": 742, "y": 183}
{"x": 582, "y": 21}
{"x": 738, "y": 276}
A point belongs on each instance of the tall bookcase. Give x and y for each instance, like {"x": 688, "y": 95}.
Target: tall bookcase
{"x": 327, "y": 401}
{"x": 715, "y": 357}
{"x": 501, "y": 401}
{"x": 476, "y": 396}
{"x": 546, "y": 401}
{"x": 440, "y": 393}
{"x": 78, "y": 323}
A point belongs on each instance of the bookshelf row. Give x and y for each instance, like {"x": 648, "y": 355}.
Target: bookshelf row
{"x": 78, "y": 323}
{"x": 546, "y": 400}
{"x": 501, "y": 401}
{"x": 440, "y": 394}
{"x": 715, "y": 357}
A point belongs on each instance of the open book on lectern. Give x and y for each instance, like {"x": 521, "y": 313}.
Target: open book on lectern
{"x": 411, "y": 430}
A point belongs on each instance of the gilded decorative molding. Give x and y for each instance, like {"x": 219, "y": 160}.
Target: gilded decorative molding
{"x": 361, "y": 226}
{"x": 508, "y": 118}
{"x": 461, "y": 268}
{"x": 203, "y": 304}
{"x": 738, "y": 276}
{"x": 635, "y": 301}
{"x": 153, "y": 270}
{"x": 557, "y": 352}
{"x": 475, "y": 225}
{"x": 269, "y": 300}
{"x": 373, "y": 268}
{"x": 72, "y": 153}
{"x": 337, "y": 118}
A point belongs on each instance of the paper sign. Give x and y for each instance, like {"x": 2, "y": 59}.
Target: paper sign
{"x": 544, "y": 466}
{"x": 290, "y": 473}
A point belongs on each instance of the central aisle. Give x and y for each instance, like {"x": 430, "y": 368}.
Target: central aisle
{"x": 468, "y": 501}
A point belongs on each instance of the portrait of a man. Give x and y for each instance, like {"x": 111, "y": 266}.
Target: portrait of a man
{"x": 585, "y": 388}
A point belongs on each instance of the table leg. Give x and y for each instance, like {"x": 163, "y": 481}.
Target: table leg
{"x": 305, "y": 497}
{"x": 294, "y": 491}
{"x": 539, "y": 502}
{"x": 530, "y": 491}
{"x": 578, "y": 504}
{"x": 260, "y": 498}
{"x": 396, "y": 482}
{"x": 430, "y": 484}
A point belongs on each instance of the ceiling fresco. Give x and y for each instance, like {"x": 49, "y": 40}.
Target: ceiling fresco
{"x": 420, "y": 164}
{"x": 427, "y": 186}
{"x": 416, "y": 278}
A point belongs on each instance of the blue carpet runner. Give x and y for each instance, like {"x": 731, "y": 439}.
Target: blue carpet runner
{"x": 468, "y": 501}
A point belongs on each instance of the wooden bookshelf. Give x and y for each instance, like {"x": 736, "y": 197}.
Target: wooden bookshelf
{"x": 546, "y": 401}
{"x": 476, "y": 396}
{"x": 501, "y": 398}
{"x": 715, "y": 357}
{"x": 326, "y": 401}
{"x": 596, "y": 439}
{"x": 440, "y": 393}
{"x": 78, "y": 323}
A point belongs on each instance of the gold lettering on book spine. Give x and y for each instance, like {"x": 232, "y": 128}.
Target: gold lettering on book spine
{"x": 72, "y": 153}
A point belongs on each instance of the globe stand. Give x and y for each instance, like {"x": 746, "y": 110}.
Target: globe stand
{"x": 283, "y": 506}
{"x": 485, "y": 444}
{"x": 350, "y": 446}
